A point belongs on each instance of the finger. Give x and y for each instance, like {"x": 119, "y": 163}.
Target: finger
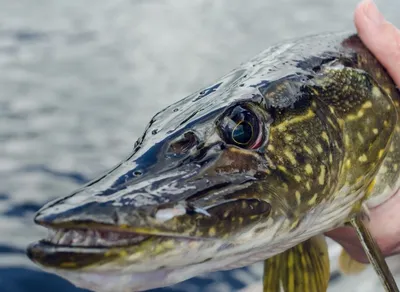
{"x": 381, "y": 37}
{"x": 384, "y": 226}
{"x": 347, "y": 238}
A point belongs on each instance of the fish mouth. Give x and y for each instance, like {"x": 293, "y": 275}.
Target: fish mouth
{"x": 148, "y": 221}
{"x": 79, "y": 248}
{"x": 92, "y": 238}
{"x": 105, "y": 237}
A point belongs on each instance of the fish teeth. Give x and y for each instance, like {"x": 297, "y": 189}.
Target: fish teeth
{"x": 113, "y": 236}
{"x": 66, "y": 238}
{"x": 77, "y": 237}
{"x": 55, "y": 236}
{"x": 88, "y": 241}
{"x": 99, "y": 240}
{"x": 91, "y": 238}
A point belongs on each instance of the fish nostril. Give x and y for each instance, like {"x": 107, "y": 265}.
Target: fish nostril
{"x": 183, "y": 144}
{"x": 137, "y": 173}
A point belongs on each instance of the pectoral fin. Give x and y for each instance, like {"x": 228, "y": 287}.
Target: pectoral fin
{"x": 303, "y": 268}
{"x": 374, "y": 254}
{"x": 350, "y": 266}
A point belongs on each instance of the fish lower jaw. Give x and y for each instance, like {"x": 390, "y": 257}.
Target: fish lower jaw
{"x": 92, "y": 238}
{"x": 116, "y": 282}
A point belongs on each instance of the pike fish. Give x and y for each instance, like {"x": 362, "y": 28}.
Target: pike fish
{"x": 258, "y": 166}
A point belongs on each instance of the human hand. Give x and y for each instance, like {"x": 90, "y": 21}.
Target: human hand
{"x": 383, "y": 40}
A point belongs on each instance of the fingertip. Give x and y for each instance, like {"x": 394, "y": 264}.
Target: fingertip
{"x": 359, "y": 11}
{"x": 367, "y": 16}
{"x": 381, "y": 37}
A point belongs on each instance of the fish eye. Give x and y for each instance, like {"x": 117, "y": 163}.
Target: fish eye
{"x": 241, "y": 127}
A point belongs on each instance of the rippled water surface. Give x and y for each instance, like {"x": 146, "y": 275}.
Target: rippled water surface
{"x": 79, "y": 80}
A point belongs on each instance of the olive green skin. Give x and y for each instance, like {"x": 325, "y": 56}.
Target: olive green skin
{"x": 329, "y": 115}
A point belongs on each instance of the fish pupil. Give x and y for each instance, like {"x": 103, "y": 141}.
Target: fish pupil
{"x": 242, "y": 133}
{"x": 240, "y": 127}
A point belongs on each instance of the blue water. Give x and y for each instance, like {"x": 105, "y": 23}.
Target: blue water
{"x": 80, "y": 80}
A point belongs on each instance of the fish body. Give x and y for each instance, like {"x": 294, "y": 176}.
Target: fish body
{"x": 293, "y": 143}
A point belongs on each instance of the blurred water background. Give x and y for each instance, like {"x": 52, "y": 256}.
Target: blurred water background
{"x": 79, "y": 80}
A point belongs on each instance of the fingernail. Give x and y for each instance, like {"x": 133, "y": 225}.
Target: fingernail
{"x": 372, "y": 12}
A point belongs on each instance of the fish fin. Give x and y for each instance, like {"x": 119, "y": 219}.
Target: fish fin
{"x": 348, "y": 265}
{"x": 373, "y": 253}
{"x": 302, "y": 268}
{"x": 272, "y": 273}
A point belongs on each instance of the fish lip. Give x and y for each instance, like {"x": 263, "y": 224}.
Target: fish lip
{"x": 54, "y": 255}
{"x": 92, "y": 230}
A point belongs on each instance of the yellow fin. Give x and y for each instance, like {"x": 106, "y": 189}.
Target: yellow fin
{"x": 350, "y": 266}
{"x": 303, "y": 268}
{"x": 272, "y": 272}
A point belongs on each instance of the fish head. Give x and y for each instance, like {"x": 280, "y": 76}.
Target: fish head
{"x": 214, "y": 178}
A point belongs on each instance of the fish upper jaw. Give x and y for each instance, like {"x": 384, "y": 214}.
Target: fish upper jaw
{"x": 136, "y": 208}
